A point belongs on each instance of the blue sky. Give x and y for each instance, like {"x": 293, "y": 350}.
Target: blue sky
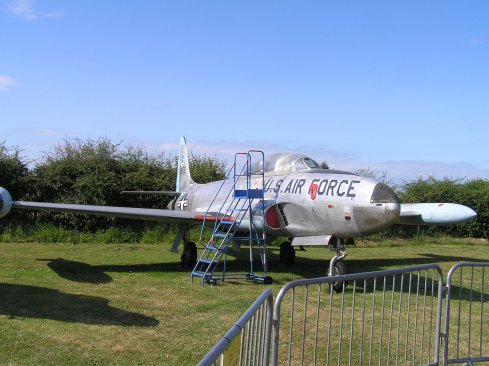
{"x": 401, "y": 87}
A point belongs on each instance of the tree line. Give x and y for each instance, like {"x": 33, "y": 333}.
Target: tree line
{"x": 96, "y": 171}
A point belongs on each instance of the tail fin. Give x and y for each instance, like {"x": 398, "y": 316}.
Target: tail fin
{"x": 184, "y": 179}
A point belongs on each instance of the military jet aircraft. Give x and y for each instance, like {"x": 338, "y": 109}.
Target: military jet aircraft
{"x": 303, "y": 202}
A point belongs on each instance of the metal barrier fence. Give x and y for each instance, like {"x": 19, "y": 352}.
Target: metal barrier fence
{"x": 248, "y": 340}
{"x": 383, "y": 317}
{"x": 466, "y": 323}
{"x": 380, "y": 318}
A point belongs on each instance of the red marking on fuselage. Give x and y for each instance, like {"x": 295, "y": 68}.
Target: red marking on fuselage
{"x": 314, "y": 190}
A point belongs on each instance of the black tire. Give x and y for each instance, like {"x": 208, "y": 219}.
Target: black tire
{"x": 339, "y": 269}
{"x": 268, "y": 280}
{"x": 287, "y": 253}
{"x": 189, "y": 255}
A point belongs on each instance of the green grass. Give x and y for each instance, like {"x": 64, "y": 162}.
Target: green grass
{"x": 48, "y": 233}
{"x": 132, "y": 304}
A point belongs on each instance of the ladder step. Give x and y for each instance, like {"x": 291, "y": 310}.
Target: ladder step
{"x": 246, "y": 190}
{"x": 212, "y": 247}
{"x": 248, "y": 193}
{"x": 255, "y": 193}
{"x": 224, "y": 222}
{"x": 206, "y": 277}
{"x": 219, "y": 235}
{"x": 242, "y": 238}
{"x": 240, "y": 193}
{"x": 207, "y": 261}
{"x": 198, "y": 274}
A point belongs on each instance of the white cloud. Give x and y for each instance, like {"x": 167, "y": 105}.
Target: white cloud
{"x": 398, "y": 172}
{"x": 6, "y": 82}
{"x": 43, "y": 132}
{"x": 25, "y": 9}
{"x": 407, "y": 171}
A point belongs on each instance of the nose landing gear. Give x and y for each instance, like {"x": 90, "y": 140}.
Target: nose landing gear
{"x": 336, "y": 266}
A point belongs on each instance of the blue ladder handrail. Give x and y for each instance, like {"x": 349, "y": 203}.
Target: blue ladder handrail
{"x": 226, "y": 224}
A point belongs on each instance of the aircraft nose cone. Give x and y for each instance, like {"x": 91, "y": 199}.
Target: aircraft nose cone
{"x": 382, "y": 212}
{"x": 392, "y": 211}
{"x": 385, "y": 198}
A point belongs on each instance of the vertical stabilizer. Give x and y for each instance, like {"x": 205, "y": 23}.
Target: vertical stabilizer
{"x": 184, "y": 179}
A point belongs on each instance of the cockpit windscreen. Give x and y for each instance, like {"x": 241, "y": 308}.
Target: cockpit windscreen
{"x": 284, "y": 163}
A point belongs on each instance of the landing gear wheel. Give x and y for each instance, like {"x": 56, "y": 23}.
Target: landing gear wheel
{"x": 339, "y": 269}
{"x": 268, "y": 280}
{"x": 287, "y": 253}
{"x": 189, "y": 255}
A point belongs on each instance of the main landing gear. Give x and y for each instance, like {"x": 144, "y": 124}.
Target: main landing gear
{"x": 287, "y": 253}
{"x": 189, "y": 253}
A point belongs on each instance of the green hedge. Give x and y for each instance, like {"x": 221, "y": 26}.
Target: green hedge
{"x": 96, "y": 171}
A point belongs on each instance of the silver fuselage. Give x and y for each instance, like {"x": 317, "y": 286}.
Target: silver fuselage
{"x": 308, "y": 203}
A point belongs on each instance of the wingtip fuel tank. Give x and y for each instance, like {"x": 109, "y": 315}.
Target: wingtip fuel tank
{"x": 435, "y": 214}
{"x": 5, "y": 202}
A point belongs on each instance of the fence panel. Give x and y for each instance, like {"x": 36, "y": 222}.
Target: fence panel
{"x": 384, "y": 317}
{"x": 467, "y": 313}
{"x": 248, "y": 340}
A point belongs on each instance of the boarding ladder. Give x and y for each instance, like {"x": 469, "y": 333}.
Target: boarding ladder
{"x": 237, "y": 208}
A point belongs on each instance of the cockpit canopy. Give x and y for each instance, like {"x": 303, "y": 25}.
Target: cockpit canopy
{"x": 284, "y": 163}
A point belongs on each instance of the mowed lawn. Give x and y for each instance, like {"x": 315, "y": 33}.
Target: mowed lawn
{"x": 119, "y": 304}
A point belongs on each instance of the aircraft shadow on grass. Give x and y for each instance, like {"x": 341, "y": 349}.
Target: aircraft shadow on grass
{"x": 87, "y": 273}
{"x": 312, "y": 267}
{"x": 45, "y": 303}
{"x": 304, "y": 267}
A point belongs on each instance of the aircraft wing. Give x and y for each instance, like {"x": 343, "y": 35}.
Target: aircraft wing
{"x": 435, "y": 214}
{"x": 154, "y": 193}
{"x": 150, "y": 214}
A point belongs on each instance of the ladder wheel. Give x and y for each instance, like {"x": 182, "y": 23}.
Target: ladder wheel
{"x": 287, "y": 253}
{"x": 189, "y": 255}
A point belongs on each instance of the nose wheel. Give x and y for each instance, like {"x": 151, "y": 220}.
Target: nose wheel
{"x": 338, "y": 270}
{"x": 337, "y": 267}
